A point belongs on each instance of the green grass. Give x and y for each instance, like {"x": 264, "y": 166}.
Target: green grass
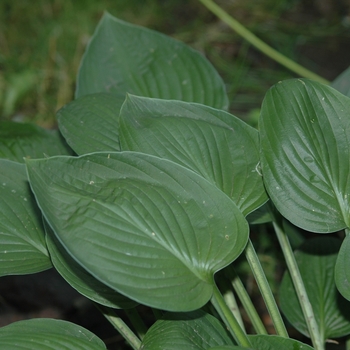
{"x": 41, "y": 44}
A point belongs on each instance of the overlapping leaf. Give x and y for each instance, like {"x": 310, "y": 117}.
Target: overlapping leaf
{"x": 316, "y": 259}
{"x": 177, "y": 331}
{"x": 213, "y": 143}
{"x": 122, "y": 58}
{"x": 48, "y": 334}
{"x": 22, "y": 242}
{"x": 80, "y": 279}
{"x": 23, "y": 140}
{"x": 305, "y": 146}
{"x": 90, "y": 123}
{"x": 145, "y": 226}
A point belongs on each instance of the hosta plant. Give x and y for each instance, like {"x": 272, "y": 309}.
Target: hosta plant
{"x": 151, "y": 187}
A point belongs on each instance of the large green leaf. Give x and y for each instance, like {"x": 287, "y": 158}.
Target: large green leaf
{"x": 305, "y": 148}
{"x": 90, "y": 123}
{"x": 48, "y": 334}
{"x": 122, "y": 58}
{"x": 80, "y": 279}
{"x": 316, "y": 259}
{"x": 342, "y": 270}
{"x": 23, "y": 140}
{"x": 22, "y": 242}
{"x": 145, "y": 226}
{"x": 275, "y": 342}
{"x": 213, "y": 143}
{"x": 178, "y": 331}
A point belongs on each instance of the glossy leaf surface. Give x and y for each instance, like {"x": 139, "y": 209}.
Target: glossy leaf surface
{"x": 316, "y": 259}
{"x": 90, "y": 123}
{"x": 19, "y": 141}
{"x": 305, "y": 145}
{"x": 22, "y": 242}
{"x": 48, "y": 334}
{"x": 177, "y": 331}
{"x": 213, "y": 143}
{"x": 80, "y": 279}
{"x": 145, "y": 226}
{"x": 124, "y": 58}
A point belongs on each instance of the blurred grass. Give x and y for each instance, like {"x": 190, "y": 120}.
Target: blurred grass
{"x": 41, "y": 44}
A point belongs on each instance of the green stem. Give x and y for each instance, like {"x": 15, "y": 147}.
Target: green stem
{"x": 265, "y": 290}
{"x": 231, "y": 302}
{"x": 261, "y": 45}
{"x": 347, "y": 344}
{"x": 137, "y": 322}
{"x": 120, "y": 326}
{"x": 225, "y": 313}
{"x": 246, "y": 301}
{"x": 299, "y": 287}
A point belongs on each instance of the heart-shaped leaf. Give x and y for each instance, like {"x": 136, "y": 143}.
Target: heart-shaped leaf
{"x": 342, "y": 271}
{"x": 90, "y": 123}
{"x": 80, "y": 279}
{"x": 122, "y": 58}
{"x": 275, "y": 342}
{"x": 23, "y": 140}
{"x": 305, "y": 147}
{"x": 48, "y": 334}
{"x": 22, "y": 241}
{"x": 178, "y": 331}
{"x": 213, "y": 143}
{"x": 316, "y": 259}
{"x": 147, "y": 227}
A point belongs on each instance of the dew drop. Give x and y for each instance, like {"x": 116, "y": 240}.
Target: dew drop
{"x": 13, "y": 191}
{"x": 91, "y": 182}
{"x": 4, "y": 183}
{"x": 227, "y": 237}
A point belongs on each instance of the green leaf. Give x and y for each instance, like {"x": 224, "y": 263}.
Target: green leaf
{"x": 80, "y": 279}
{"x": 275, "y": 342}
{"x": 342, "y": 82}
{"x": 213, "y": 143}
{"x": 90, "y": 123}
{"x": 19, "y": 141}
{"x": 342, "y": 271}
{"x": 316, "y": 259}
{"x": 48, "y": 334}
{"x": 260, "y": 215}
{"x": 22, "y": 242}
{"x": 305, "y": 147}
{"x": 122, "y": 58}
{"x": 178, "y": 331}
{"x": 147, "y": 227}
